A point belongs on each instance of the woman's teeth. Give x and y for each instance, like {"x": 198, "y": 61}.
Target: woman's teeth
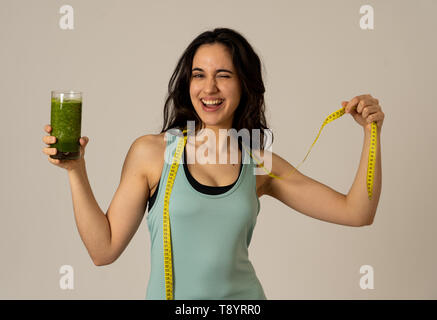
{"x": 211, "y": 102}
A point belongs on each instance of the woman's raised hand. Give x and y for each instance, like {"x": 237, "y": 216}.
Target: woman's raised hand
{"x": 65, "y": 164}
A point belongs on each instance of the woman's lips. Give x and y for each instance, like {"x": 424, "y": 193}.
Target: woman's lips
{"x": 211, "y": 109}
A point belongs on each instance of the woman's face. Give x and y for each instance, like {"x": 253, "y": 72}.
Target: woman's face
{"x": 213, "y": 77}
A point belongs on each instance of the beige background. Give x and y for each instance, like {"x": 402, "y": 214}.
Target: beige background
{"x": 121, "y": 54}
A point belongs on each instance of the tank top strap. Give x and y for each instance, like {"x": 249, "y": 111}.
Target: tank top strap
{"x": 172, "y": 141}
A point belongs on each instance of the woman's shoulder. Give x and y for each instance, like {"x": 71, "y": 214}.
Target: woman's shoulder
{"x": 152, "y": 140}
{"x": 156, "y": 140}
{"x": 150, "y": 149}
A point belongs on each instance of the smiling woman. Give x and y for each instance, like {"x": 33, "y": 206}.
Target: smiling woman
{"x": 214, "y": 94}
{"x": 212, "y": 208}
{"x": 218, "y": 84}
{"x": 218, "y": 64}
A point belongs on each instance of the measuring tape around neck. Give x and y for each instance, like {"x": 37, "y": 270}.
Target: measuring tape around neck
{"x": 168, "y": 265}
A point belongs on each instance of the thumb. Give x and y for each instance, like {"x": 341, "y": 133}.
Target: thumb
{"x": 84, "y": 141}
{"x": 344, "y": 105}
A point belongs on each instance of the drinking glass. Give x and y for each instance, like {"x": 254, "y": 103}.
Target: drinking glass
{"x": 66, "y": 121}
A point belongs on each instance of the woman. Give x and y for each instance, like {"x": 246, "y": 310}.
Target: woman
{"x": 213, "y": 207}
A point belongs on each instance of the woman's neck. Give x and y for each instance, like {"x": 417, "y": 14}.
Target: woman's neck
{"x": 211, "y": 140}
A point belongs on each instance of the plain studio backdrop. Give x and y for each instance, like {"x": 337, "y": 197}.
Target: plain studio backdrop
{"x": 121, "y": 55}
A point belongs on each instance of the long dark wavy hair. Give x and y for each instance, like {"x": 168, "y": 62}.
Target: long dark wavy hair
{"x": 249, "y": 114}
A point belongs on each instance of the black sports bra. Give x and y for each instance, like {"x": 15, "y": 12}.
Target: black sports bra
{"x": 197, "y": 185}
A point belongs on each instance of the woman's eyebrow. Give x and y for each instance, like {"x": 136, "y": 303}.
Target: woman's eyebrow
{"x": 218, "y": 70}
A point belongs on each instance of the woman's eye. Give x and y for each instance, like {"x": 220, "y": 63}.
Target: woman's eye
{"x": 199, "y": 75}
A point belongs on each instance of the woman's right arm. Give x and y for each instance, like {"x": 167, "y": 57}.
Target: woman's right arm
{"x": 106, "y": 235}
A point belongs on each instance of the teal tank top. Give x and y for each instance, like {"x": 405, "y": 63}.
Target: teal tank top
{"x": 210, "y": 236}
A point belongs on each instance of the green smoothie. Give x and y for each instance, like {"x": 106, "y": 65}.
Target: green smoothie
{"x": 66, "y": 125}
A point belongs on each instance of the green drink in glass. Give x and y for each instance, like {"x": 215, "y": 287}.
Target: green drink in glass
{"x": 65, "y": 120}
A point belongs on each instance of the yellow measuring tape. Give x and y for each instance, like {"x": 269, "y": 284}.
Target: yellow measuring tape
{"x": 372, "y": 152}
{"x": 168, "y": 266}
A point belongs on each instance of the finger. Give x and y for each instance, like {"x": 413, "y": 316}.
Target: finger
{"x": 375, "y": 117}
{"x": 54, "y": 161}
{"x": 369, "y": 110}
{"x": 365, "y": 96}
{"x": 364, "y": 103}
{"x": 371, "y": 118}
{"x": 49, "y": 139}
{"x": 369, "y": 97}
{"x": 50, "y": 151}
{"x": 48, "y": 128}
{"x": 352, "y": 104}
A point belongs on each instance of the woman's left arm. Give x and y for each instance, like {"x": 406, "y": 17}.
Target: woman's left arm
{"x": 318, "y": 200}
{"x": 365, "y": 109}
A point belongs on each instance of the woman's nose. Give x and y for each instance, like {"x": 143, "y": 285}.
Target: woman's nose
{"x": 211, "y": 84}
